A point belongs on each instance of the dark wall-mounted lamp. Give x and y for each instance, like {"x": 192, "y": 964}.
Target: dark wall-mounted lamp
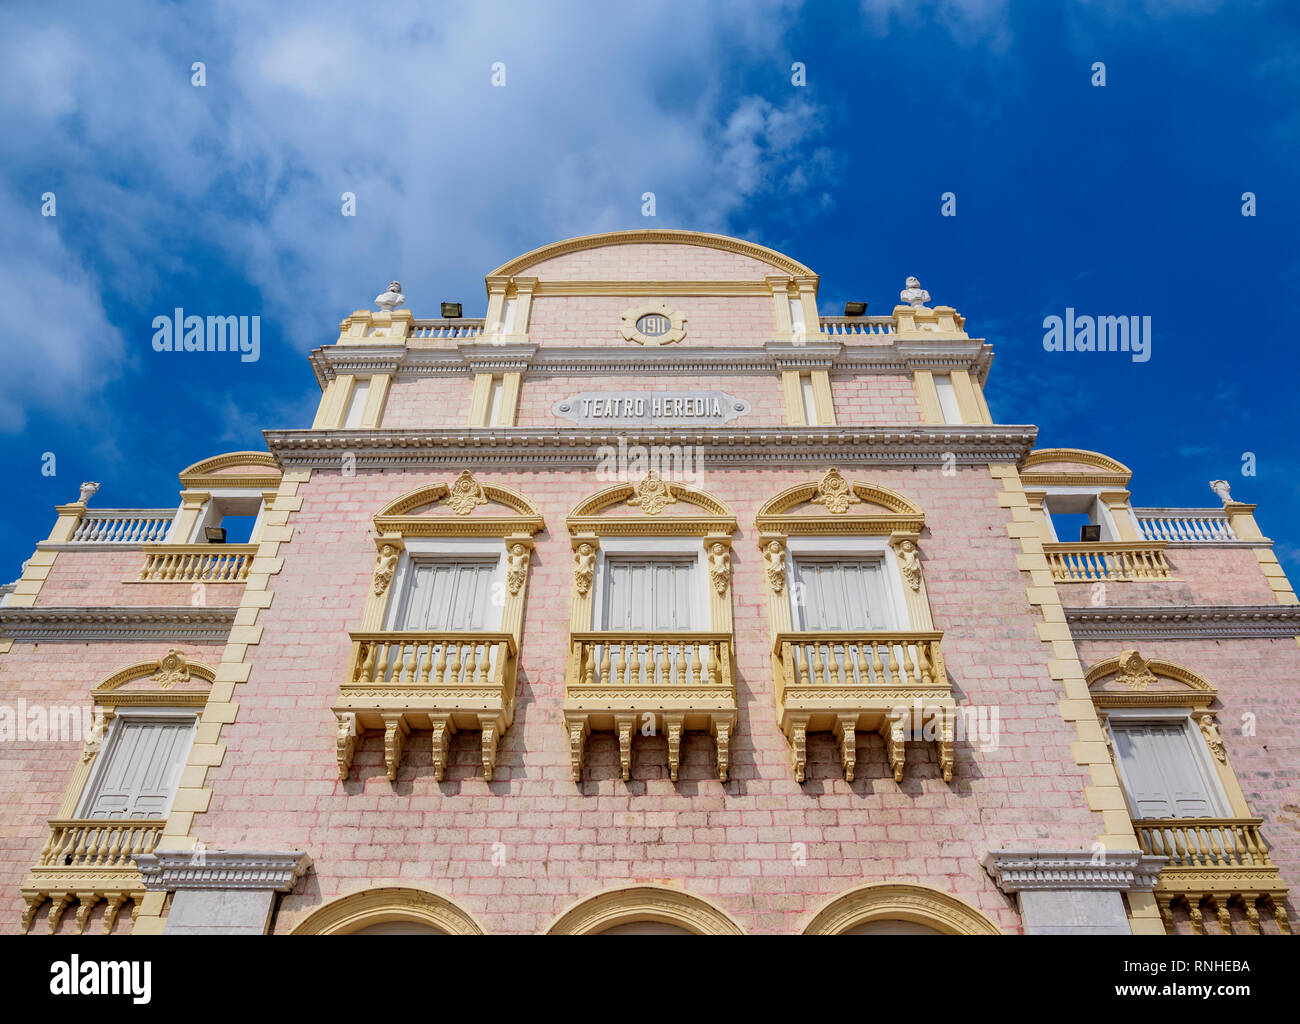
{"x": 450, "y": 310}
{"x": 215, "y": 534}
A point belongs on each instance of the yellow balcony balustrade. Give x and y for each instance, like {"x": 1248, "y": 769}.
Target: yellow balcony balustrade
{"x": 197, "y": 563}
{"x": 1214, "y": 863}
{"x": 1087, "y": 561}
{"x": 443, "y": 682}
{"x": 89, "y": 860}
{"x": 629, "y": 681}
{"x": 893, "y": 683}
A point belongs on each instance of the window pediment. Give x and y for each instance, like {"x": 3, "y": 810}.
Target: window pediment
{"x": 835, "y": 505}
{"x": 1130, "y": 680}
{"x": 651, "y": 506}
{"x": 465, "y": 507}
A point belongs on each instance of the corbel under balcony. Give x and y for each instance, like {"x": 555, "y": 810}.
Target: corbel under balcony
{"x": 89, "y": 860}
{"x": 671, "y": 681}
{"x": 890, "y": 683}
{"x": 442, "y": 682}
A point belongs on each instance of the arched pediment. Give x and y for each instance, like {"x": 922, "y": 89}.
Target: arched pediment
{"x": 1073, "y": 466}
{"x": 1130, "y": 680}
{"x": 645, "y": 903}
{"x": 233, "y": 469}
{"x": 770, "y": 258}
{"x": 171, "y": 679}
{"x": 836, "y": 505}
{"x": 917, "y": 904}
{"x": 464, "y": 507}
{"x": 651, "y": 506}
{"x": 372, "y": 907}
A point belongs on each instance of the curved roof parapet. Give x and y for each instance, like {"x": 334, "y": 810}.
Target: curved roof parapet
{"x": 656, "y": 236}
{"x": 233, "y": 469}
{"x": 1054, "y": 465}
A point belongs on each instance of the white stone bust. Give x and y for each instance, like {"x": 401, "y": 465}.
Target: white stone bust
{"x": 913, "y": 294}
{"x": 88, "y": 490}
{"x": 1220, "y": 487}
{"x": 391, "y": 298}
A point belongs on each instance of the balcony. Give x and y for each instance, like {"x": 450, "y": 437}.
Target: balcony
{"x": 1185, "y": 525}
{"x": 1095, "y": 561}
{"x": 443, "y": 682}
{"x": 891, "y": 683}
{"x": 1214, "y": 863}
{"x": 197, "y": 563}
{"x": 91, "y": 860}
{"x": 674, "y": 681}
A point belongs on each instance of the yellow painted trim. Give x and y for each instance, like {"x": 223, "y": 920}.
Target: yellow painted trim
{"x": 927, "y": 396}
{"x": 965, "y": 392}
{"x": 373, "y": 413}
{"x": 377, "y": 906}
{"x": 636, "y": 903}
{"x": 885, "y": 901}
{"x": 792, "y": 391}
{"x": 823, "y": 402}
{"x": 479, "y": 397}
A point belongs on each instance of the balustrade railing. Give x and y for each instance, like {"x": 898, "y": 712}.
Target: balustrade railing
{"x": 99, "y": 843}
{"x": 1204, "y": 842}
{"x": 1091, "y": 561}
{"x": 198, "y": 563}
{"x": 1184, "y": 525}
{"x": 459, "y": 328}
{"x": 123, "y": 526}
{"x": 860, "y": 659}
{"x": 410, "y": 658}
{"x": 652, "y": 658}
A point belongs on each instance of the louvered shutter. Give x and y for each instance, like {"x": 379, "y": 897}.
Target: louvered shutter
{"x": 448, "y": 596}
{"x": 1161, "y": 771}
{"x": 840, "y": 595}
{"x": 140, "y": 769}
{"x": 649, "y": 594}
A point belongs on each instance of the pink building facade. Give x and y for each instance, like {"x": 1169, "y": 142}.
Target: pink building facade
{"x": 653, "y": 600}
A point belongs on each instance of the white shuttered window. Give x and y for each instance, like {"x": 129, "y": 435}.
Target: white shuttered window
{"x": 138, "y": 773}
{"x": 649, "y": 594}
{"x": 449, "y": 596}
{"x": 1163, "y": 775}
{"x": 840, "y": 595}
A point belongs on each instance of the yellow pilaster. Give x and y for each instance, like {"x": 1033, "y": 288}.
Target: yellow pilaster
{"x": 510, "y": 384}
{"x": 966, "y": 402}
{"x": 373, "y": 413}
{"x": 927, "y": 396}
{"x": 823, "y": 401}
{"x": 792, "y": 390}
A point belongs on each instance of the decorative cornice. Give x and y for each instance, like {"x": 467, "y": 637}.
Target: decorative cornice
{"x": 510, "y": 447}
{"x": 884, "y": 354}
{"x": 222, "y": 869}
{"x": 1015, "y": 871}
{"x": 1210, "y": 622}
{"x": 154, "y": 623}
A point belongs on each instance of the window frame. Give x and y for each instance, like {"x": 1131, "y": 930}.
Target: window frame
{"x": 860, "y": 548}
{"x": 1201, "y": 756}
{"x": 446, "y": 549}
{"x": 126, "y": 713}
{"x": 684, "y": 549}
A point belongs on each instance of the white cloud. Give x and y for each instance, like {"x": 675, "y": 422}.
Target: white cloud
{"x": 452, "y": 176}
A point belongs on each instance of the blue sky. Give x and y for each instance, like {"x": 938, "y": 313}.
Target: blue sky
{"x": 225, "y": 199}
